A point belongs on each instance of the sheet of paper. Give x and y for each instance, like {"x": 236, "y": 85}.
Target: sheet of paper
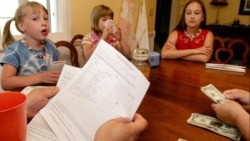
{"x": 68, "y": 72}
{"x": 108, "y": 86}
{"x": 38, "y": 129}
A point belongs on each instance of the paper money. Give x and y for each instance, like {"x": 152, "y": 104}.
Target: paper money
{"x": 213, "y": 93}
{"x": 215, "y": 125}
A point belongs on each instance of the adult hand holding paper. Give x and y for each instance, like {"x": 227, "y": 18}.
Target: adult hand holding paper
{"x": 107, "y": 87}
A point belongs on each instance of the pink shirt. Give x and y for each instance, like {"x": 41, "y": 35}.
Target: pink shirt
{"x": 185, "y": 42}
{"x": 93, "y": 39}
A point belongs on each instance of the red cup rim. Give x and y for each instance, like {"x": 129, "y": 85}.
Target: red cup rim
{"x": 11, "y": 100}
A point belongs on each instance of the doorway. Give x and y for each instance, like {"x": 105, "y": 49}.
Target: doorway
{"x": 162, "y": 22}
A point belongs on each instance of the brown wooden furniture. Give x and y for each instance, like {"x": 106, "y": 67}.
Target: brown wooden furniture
{"x": 73, "y": 55}
{"x": 77, "y": 37}
{"x": 234, "y": 41}
{"x": 227, "y": 50}
{"x": 77, "y": 42}
{"x": 174, "y": 94}
{"x": 232, "y": 31}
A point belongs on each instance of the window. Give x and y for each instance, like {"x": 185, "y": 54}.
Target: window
{"x": 58, "y": 13}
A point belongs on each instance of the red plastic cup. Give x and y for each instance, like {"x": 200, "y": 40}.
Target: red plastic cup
{"x": 13, "y": 121}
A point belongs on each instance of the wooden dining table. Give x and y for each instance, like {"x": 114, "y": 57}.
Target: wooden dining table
{"x": 174, "y": 94}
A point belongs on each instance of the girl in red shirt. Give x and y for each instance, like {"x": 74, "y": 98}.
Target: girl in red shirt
{"x": 190, "y": 40}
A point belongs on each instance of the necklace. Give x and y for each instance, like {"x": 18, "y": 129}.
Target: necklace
{"x": 192, "y": 36}
{"x": 35, "y": 52}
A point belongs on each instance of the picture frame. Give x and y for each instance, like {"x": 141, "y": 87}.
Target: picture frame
{"x": 244, "y": 8}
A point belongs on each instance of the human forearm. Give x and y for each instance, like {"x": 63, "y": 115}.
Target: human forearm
{"x": 16, "y": 82}
{"x": 232, "y": 113}
{"x": 124, "y": 49}
{"x": 126, "y": 52}
{"x": 197, "y": 57}
{"x": 87, "y": 52}
{"x": 175, "y": 54}
{"x": 243, "y": 122}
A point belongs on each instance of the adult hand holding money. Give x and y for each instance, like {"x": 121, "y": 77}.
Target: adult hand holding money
{"x": 213, "y": 93}
{"x": 211, "y": 123}
{"x": 232, "y": 112}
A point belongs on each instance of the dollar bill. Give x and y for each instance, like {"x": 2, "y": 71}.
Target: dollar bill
{"x": 215, "y": 125}
{"x": 213, "y": 93}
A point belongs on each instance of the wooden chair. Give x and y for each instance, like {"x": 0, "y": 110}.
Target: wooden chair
{"x": 77, "y": 37}
{"x": 77, "y": 42}
{"x": 231, "y": 51}
{"x": 69, "y": 52}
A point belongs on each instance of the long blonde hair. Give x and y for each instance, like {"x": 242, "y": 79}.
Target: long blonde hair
{"x": 19, "y": 15}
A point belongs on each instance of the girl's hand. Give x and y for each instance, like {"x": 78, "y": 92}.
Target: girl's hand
{"x": 106, "y": 32}
{"x": 50, "y": 77}
{"x": 117, "y": 34}
{"x": 204, "y": 50}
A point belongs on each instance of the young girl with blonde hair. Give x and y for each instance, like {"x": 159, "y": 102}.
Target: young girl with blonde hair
{"x": 103, "y": 28}
{"x": 26, "y": 61}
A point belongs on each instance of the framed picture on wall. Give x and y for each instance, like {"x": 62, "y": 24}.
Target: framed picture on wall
{"x": 244, "y": 7}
